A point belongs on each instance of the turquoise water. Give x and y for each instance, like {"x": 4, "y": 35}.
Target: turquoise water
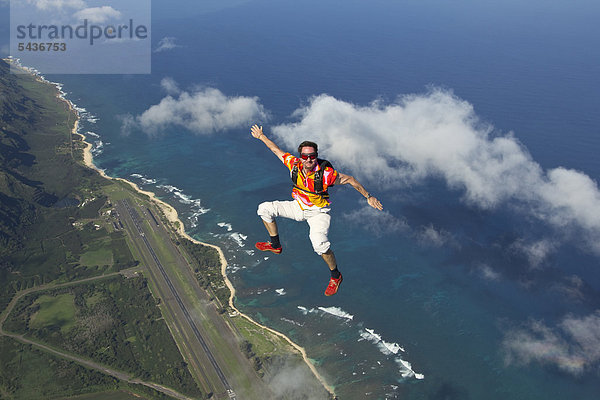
{"x": 442, "y": 277}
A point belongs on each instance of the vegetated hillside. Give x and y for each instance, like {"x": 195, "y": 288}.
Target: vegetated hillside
{"x": 17, "y": 193}
{"x": 37, "y": 165}
{"x": 42, "y": 180}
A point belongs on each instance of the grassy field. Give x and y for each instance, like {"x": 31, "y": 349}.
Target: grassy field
{"x": 63, "y": 246}
{"x": 114, "y": 321}
{"x": 101, "y": 256}
{"x": 264, "y": 343}
{"x": 54, "y": 311}
{"x": 29, "y": 374}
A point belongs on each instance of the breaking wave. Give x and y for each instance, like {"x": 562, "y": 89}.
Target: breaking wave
{"x": 388, "y": 349}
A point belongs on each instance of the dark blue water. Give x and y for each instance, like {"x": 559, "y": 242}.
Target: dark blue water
{"x": 444, "y": 278}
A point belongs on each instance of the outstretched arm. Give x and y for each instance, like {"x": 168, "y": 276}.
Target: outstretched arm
{"x": 344, "y": 179}
{"x": 257, "y": 132}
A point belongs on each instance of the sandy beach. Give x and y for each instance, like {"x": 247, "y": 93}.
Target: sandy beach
{"x": 171, "y": 214}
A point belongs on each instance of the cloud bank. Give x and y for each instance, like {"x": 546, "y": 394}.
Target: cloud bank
{"x": 573, "y": 346}
{"x": 436, "y": 134}
{"x": 98, "y": 14}
{"x": 202, "y": 111}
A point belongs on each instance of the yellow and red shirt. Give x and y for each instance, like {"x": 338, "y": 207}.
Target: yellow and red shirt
{"x": 306, "y": 181}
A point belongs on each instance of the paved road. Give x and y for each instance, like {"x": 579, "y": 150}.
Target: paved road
{"x": 208, "y": 341}
{"x": 138, "y": 225}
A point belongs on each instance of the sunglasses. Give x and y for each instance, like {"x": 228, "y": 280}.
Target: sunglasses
{"x": 306, "y": 156}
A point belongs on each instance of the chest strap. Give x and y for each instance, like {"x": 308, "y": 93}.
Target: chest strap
{"x": 318, "y": 178}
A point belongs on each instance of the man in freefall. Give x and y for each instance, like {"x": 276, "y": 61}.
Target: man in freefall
{"x": 311, "y": 177}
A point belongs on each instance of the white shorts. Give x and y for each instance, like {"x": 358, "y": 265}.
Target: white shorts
{"x": 318, "y": 219}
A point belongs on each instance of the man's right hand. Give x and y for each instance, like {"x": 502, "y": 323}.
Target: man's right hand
{"x": 256, "y": 131}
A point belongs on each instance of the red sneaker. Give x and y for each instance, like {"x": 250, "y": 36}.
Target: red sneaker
{"x": 266, "y": 246}
{"x": 333, "y": 286}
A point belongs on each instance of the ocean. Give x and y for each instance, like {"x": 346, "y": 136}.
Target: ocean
{"x": 474, "y": 122}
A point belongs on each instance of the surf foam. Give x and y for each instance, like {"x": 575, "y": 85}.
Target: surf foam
{"x": 239, "y": 238}
{"x": 195, "y": 204}
{"x": 388, "y": 349}
{"x": 335, "y": 311}
{"x": 225, "y": 225}
{"x": 338, "y": 312}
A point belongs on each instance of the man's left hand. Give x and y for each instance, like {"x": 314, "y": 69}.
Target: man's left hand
{"x": 373, "y": 202}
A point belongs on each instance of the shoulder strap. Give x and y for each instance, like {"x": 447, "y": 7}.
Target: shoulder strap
{"x": 319, "y": 174}
{"x": 318, "y": 178}
{"x": 295, "y": 173}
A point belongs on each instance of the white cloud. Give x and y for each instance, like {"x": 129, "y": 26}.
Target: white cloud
{"x": 98, "y": 14}
{"x": 170, "y": 86}
{"x": 428, "y": 235}
{"x": 128, "y": 123}
{"x": 488, "y": 272}
{"x": 57, "y": 4}
{"x": 536, "y": 252}
{"x": 436, "y": 134}
{"x": 571, "y": 288}
{"x": 377, "y": 222}
{"x": 294, "y": 381}
{"x": 574, "y": 195}
{"x": 202, "y": 111}
{"x": 166, "y": 43}
{"x": 586, "y": 334}
{"x": 573, "y": 346}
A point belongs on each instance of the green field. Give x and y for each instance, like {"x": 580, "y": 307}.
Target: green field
{"x": 54, "y": 311}
{"x": 103, "y": 256}
{"x": 27, "y": 373}
{"x": 264, "y": 343}
{"x": 114, "y": 321}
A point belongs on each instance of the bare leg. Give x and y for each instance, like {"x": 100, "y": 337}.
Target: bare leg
{"x": 329, "y": 258}
{"x": 271, "y": 227}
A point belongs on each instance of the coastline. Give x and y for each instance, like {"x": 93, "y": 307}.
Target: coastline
{"x": 177, "y": 224}
{"x": 80, "y": 126}
{"x": 170, "y": 213}
{"x": 173, "y": 217}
